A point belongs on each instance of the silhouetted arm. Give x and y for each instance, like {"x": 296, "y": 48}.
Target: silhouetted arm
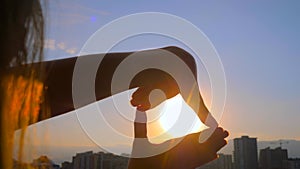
{"x": 59, "y": 81}
{"x": 59, "y": 74}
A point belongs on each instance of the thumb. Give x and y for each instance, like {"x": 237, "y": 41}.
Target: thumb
{"x": 141, "y": 144}
{"x": 140, "y": 124}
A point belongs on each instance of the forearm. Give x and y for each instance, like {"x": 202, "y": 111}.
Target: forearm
{"x": 59, "y": 82}
{"x": 196, "y": 102}
{"x": 59, "y": 74}
{"x": 193, "y": 96}
{"x": 59, "y": 78}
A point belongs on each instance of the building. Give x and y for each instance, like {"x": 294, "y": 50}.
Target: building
{"x": 245, "y": 153}
{"x": 83, "y": 160}
{"x": 223, "y": 162}
{"x": 101, "y": 160}
{"x": 292, "y": 163}
{"x": 272, "y": 158}
{"x": 110, "y": 161}
{"x": 66, "y": 165}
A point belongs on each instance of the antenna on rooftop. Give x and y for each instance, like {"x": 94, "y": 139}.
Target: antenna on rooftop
{"x": 280, "y": 142}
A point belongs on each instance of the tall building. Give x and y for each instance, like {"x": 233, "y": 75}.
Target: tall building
{"x": 272, "y": 158}
{"x": 245, "y": 153}
{"x": 83, "y": 160}
{"x": 223, "y": 162}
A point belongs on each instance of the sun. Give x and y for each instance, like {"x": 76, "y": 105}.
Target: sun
{"x": 178, "y": 119}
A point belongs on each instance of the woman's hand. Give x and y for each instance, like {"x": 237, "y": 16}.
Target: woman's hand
{"x": 187, "y": 154}
{"x": 155, "y": 86}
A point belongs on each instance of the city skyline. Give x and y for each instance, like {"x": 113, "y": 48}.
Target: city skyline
{"x": 257, "y": 43}
{"x": 55, "y": 152}
{"x": 246, "y": 155}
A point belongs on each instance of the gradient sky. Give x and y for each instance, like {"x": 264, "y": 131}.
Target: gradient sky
{"x": 258, "y": 43}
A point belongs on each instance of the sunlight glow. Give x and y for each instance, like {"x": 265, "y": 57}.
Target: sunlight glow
{"x": 175, "y": 126}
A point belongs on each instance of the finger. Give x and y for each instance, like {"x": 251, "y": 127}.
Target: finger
{"x": 144, "y": 98}
{"x": 218, "y": 134}
{"x": 226, "y": 133}
{"x": 141, "y": 92}
{"x": 212, "y": 123}
{"x": 206, "y": 134}
{"x": 140, "y": 97}
{"x": 221, "y": 133}
{"x": 140, "y": 125}
{"x": 219, "y": 145}
{"x": 143, "y": 107}
{"x": 217, "y": 139}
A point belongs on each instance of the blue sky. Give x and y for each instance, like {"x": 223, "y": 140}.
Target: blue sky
{"x": 258, "y": 43}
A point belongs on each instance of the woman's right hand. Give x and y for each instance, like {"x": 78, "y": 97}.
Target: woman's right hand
{"x": 187, "y": 154}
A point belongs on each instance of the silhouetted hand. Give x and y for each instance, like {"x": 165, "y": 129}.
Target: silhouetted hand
{"x": 187, "y": 154}
{"x": 148, "y": 80}
{"x": 155, "y": 86}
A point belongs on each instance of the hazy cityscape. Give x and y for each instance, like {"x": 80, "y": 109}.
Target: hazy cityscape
{"x": 79, "y": 77}
{"x": 246, "y": 155}
{"x": 258, "y": 45}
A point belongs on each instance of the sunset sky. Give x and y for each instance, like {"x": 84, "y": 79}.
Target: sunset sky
{"x": 257, "y": 41}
